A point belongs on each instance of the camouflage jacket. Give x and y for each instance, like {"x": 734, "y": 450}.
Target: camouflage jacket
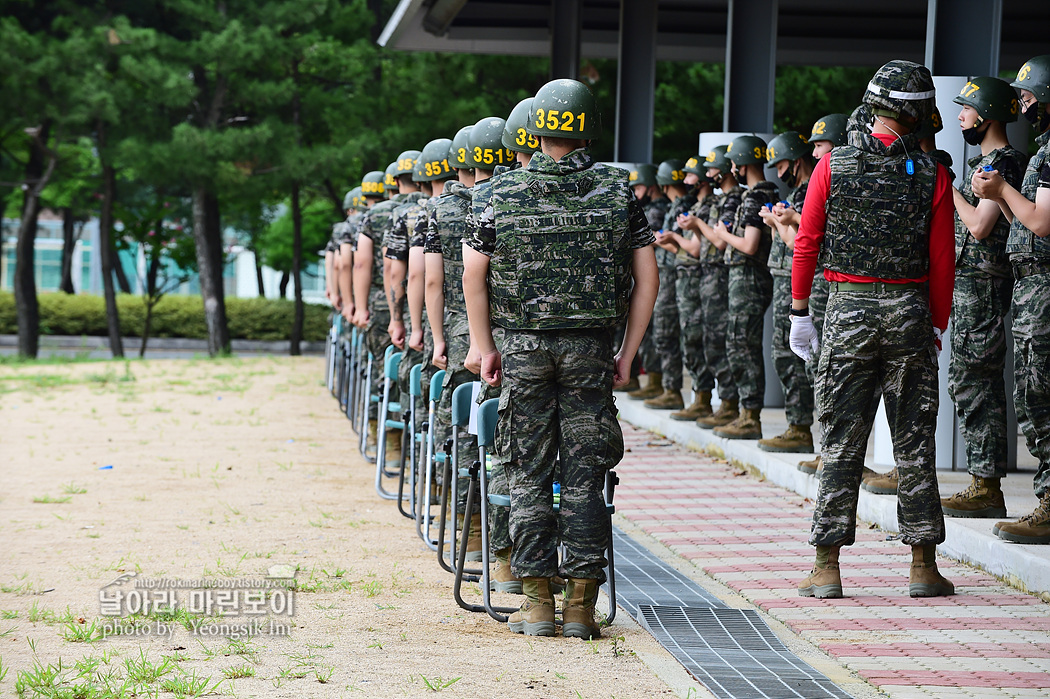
{"x": 987, "y": 256}
{"x": 753, "y": 199}
{"x": 724, "y": 209}
{"x": 1024, "y": 246}
{"x": 700, "y": 209}
{"x": 446, "y": 226}
{"x": 374, "y": 226}
{"x": 396, "y": 239}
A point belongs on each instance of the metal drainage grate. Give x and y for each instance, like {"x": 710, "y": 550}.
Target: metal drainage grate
{"x": 642, "y": 578}
{"x": 734, "y": 654}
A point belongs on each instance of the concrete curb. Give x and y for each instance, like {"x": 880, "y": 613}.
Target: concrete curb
{"x": 92, "y": 342}
{"x": 1026, "y": 567}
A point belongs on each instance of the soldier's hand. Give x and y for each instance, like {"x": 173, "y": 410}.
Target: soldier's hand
{"x": 361, "y": 317}
{"x": 337, "y": 302}
{"x": 492, "y": 368}
{"x": 987, "y": 185}
{"x": 396, "y": 330}
{"x": 621, "y": 371}
{"x": 348, "y": 313}
{"x": 440, "y": 358}
{"x": 803, "y": 339}
{"x": 415, "y": 340}
{"x": 473, "y": 361}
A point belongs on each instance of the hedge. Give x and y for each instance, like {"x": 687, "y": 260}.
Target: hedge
{"x": 174, "y": 316}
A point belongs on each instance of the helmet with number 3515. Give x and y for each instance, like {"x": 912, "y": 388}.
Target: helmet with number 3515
{"x": 515, "y": 137}
{"x": 564, "y": 109}
{"x": 432, "y": 163}
{"x": 747, "y": 150}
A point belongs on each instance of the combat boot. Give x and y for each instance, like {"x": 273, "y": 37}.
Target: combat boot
{"x": 797, "y": 438}
{"x": 577, "y": 613}
{"x": 701, "y": 407}
{"x": 474, "y": 539}
{"x": 747, "y": 426}
{"x": 924, "y": 579}
{"x": 653, "y": 387}
{"x": 983, "y": 498}
{"x": 728, "y": 411}
{"x": 632, "y": 385}
{"x": 536, "y": 615}
{"x": 373, "y": 428}
{"x": 502, "y": 579}
{"x": 811, "y": 467}
{"x": 881, "y": 483}
{"x": 823, "y": 582}
{"x": 670, "y": 399}
{"x": 1033, "y": 528}
{"x": 393, "y": 445}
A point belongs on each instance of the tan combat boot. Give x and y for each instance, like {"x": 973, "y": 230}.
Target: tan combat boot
{"x": 728, "y": 411}
{"x": 373, "y": 428}
{"x": 653, "y": 387}
{"x": 881, "y": 483}
{"x": 393, "y": 445}
{"x": 670, "y": 399}
{"x": 823, "y": 582}
{"x": 1033, "y": 528}
{"x": 474, "y": 539}
{"x": 701, "y": 407}
{"x": 812, "y": 467}
{"x": 924, "y": 580}
{"x": 577, "y": 613}
{"x": 983, "y": 498}
{"x": 536, "y": 615}
{"x": 797, "y": 438}
{"x": 632, "y": 385}
{"x": 502, "y": 580}
{"x": 747, "y": 426}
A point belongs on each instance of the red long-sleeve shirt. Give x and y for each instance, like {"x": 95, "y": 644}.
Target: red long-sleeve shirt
{"x": 942, "y": 242}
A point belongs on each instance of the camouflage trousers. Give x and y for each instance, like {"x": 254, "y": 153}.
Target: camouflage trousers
{"x": 714, "y": 310}
{"x": 1031, "y": 328}
{"x": 557, "y": 422}
{"x": 876, "y": 340}
{"x": 975, "y": 372}
{"x": 377, "y": 339}
{"x": 457, "y": 342}
{"x": 499, "y": 516}
{"x": 818, "y": 303}
{"x": 691, "y": 327}
{"x": 790, "y": 368}
{"x": 665, "y": 324}
{"x": 750, "y": 293}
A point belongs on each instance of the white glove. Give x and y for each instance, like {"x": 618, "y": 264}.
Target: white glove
{"x": 803, "y": 339}
{"x": 938, "y": 340}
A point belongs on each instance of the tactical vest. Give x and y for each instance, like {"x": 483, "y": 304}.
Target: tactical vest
{"x": 1023, "y": 245}
{"x": 780, "y": 255}
{"x": 754, "y": 198}
{"x": 562, "y": 253}
{"x": 987, "y": 256}
{"x": 450, "y": 212}
{"x": 701, "y": 210}
{"x": 353, "y": 225}
{"x": 725, "y": 207}
{"x": 878, "y": 216}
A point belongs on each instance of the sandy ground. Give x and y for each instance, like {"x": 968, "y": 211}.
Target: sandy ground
{"x": 190, "y": 469}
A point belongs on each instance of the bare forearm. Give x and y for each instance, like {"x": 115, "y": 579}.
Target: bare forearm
{"x": 435, "y": 293}
{"x": 476, "y": 291}
{"x": 415, "y": 287}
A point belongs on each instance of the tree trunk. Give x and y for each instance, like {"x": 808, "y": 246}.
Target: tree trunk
{"x": 118, "y": 269}
{"x": 282, "y": 286}
{"x": 26, "y": 307}
{"x": 152, "y": 297}
{"x": 297, "y": 254}
{"x": 259, "y": 276}
{"x": 69, "y": 241}
{"x": 108, "y": 251}
{"x": 208, "y": 237}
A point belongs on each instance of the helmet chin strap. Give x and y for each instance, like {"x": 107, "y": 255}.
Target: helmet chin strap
{"x": 909, "y": 165}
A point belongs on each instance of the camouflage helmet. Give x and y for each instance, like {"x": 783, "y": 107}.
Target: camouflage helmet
{"x": 406, "y": 163}
{"x": 670, "y": 172}
{"x": 457, "y": 152}
{"x": 901, "y": 89}
{"x": 354, "y": 199}
{"x": 390, "y": 177}
{"x": 348, "y": 200}
{"x": 931, "y": 125}
{"x": 790, "y": 145}
{"x": 747, "y": 150}
{"x": 643, "y": 173}
{"x": 432, "y": 163}
{"x": 485, "y": 145}
{"x": 372, "y": 184}
{"x": 1034, "y": 76}
{"x": 991, "y": 98}
{"x": 515, "y": 137}
{"x": 716, "y": 159}
{"x": 829, "y": 128}
{"x": 564, "y": 108}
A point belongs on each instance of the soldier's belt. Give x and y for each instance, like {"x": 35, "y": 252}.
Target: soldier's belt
{"x": 1027, "y": 269}
{"x": 876, "y": 287}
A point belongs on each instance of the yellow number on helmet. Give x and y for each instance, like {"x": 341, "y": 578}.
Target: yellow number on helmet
{"x": 819, "y": 127}
{"x": 710, "y": 157}
{"x": 1022, "y": 74}
{"x": 759, "y": 152}
{"x": 522, "y": 137}
{"x": 539, "y": 118}
{"x": 567, "y": 124}
{"x": 552, "y": 119}
{"x": 770, "y": 153}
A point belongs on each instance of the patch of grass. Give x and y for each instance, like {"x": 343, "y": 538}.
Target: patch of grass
{"x": 143, "y": 671}
{"x": 8, "y": 613}
{"x": 189, "y": 685}
{"x": 239, "y": 672}
{"x": 37, "y": 613}
{"x": 72, "y": 488}
{"x": 438, "y": 684}
{"x": 48, "y": 500}
{"x": 76, "y": 632}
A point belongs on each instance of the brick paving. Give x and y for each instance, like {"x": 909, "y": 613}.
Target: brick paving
{"x": 987, "y": 641}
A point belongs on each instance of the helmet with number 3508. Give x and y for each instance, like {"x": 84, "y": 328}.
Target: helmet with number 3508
{"x": 564, "y": 109}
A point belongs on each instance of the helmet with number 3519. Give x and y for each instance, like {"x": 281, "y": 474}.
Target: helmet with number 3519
{"x": 515, "y": 137}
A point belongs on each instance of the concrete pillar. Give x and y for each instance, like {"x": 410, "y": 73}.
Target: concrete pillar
{"x": 962, "y": 36}
{"x": 565, "y": 38}
{"x": 636, "y": 81}
{"x": 751, "y": 52}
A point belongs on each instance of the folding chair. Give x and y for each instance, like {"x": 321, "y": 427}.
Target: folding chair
{"x": 330, "y": 353}
{"x": 391, "y": 361}
{"x": 409, "y": 439}
{"x": 355, "y": 355}
{"x": 462, "y": 406}
{"x": 364, "y": 402}
{"x": 430, "y": 461}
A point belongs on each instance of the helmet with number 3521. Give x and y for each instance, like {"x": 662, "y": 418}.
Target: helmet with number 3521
{"x": 515, "y": 137}
{"x": 564, "y": 109}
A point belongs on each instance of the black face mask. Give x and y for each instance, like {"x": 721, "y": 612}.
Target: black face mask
{"x": 1037, "y": 115}
{"x": 974, "y": 137}
{"x": 789, "y": 177}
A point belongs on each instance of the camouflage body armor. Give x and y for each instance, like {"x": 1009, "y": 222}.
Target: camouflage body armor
{"x": 762, "y": 192}
{"x": 448, "y": 217}
{"x": 378, "y": 221}
{"x": 558, "y": 264}
{"x": 724, "y": 208}
{"x": 1023, "y": 246}
{"x": 987, "y": 256}
{"x": 879, "y": 226}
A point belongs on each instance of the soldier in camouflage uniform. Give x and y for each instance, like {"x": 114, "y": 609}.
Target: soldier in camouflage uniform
{"x": 983, "y": 282}
{"x": 1028, "y": 246}
{"x": 879, "y": 214}
{"x": 559, "y": 281}
{"x": 687, "y": 244}
{"x": 666, "y": 324}
{"x": 747, "y": 243}
{"x": 789, "y": 154}
{"x": 643, "y": 183}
